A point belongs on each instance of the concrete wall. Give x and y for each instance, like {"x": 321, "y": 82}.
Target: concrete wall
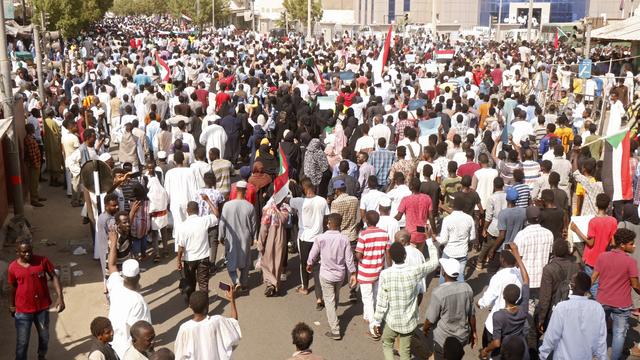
{"x": 5, "y": 200}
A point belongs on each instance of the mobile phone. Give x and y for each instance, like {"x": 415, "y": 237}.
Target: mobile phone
{"x": 224, "y": 287}
{"x": 421, "y": 229}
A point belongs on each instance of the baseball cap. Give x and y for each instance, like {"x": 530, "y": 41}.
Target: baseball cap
{"x": 130, "y": 268}
{"x": 512, "y": 194}
{"x": 450, "y": 266}
{"x": 384, "y": 201}
{"x": 339, "y": 184}
{"x": 241, "y": 184}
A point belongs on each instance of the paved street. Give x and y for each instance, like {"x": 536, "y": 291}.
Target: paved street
{"x": 266, "y": 322}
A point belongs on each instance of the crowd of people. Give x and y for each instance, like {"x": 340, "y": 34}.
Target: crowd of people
{"x": 492, "y": 162}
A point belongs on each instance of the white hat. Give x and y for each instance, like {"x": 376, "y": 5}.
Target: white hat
{"x": 162, "y": 154}
{"x": 451, "y": 267}
{"x": 104, "y": 157}
{"x": 241, "y": 184}
{"x": 384, "y": 201}
{"x": 130, "y": 268}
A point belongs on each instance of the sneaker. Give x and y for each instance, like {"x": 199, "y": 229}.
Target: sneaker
{"x": 333, "y": 336}
{"x": 36, "y": 204}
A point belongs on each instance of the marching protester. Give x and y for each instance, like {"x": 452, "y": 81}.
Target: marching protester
{"x": 320, "y": 153}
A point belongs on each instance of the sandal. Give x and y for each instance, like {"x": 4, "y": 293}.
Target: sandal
{"x": 270, "y": 291}
{"x": 156, "y": 259}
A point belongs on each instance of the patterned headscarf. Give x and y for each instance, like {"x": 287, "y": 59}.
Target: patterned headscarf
{"x": 315, "y": 162}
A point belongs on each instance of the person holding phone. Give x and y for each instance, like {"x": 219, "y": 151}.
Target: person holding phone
{"x": 208, "y": 337}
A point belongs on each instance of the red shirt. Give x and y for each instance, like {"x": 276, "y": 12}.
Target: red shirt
{"x": 32, "y": 291}
{"x": 203, "y": 97}
{"x": 416, "y": 208}
{"x": 616, "y": 268}
{"x": 601, "y": 229}
{"x": 469, "y": 168}
{"x": 496, "y": 75}
{"x": 221, "y": 98}
{"x": 372, "y": 244}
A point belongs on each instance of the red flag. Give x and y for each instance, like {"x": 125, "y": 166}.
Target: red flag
{"x": 163, "y": 67}
{"x": 381, "y": 61}
{"x": 556, "y": 42}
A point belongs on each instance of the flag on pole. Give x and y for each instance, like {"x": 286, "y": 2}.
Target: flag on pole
{"x": 616, "y": 176}
{"x": 313, "y": 68}
{"x": 185, "y": 18}
{"x": 556, "y": 42}
{"x": 379, "y": 64}
{"x": 163, "y": 68}
{"x": 281, "y": 182}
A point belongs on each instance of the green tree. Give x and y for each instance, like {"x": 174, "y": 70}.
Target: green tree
{"x": 71, "y": 16}
{"x": 297, "y": 11}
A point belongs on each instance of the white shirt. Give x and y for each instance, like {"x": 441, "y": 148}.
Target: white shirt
{"x": 484, "y": 184}
{"x": 521, "y": 130}
{"x": 365, "y": 142}
{"x": 193, "y": 236}
{"x": 126, "y": 308}
{"x": 212, "y": 338}
{"x": 396, "y": 195}
{"x": 311, "y": 212}
{"x": 199, "y": 169}
{"x": 370, "y": 199}
{"x": 379, "y": 131}
{"x": 493, "y": 295}
{"x": 458, "y": 230}
{"x": 415, "y": 257}
{"x": 390, "y": 225}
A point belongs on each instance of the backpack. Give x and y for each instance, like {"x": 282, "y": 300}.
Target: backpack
{"x": 562, "y": 291}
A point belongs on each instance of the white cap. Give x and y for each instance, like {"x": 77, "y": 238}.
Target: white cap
{"x": 162, "y": 154}
{"x": 241, "y": 184}
{"x": 384, "y": 201}
{"x": 451, "y": 267}
{"x": 104, "y": 157}
{"x": 130, "y": 268}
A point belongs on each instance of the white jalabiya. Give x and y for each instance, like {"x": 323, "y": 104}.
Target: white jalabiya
{"x": 212, "y": 338}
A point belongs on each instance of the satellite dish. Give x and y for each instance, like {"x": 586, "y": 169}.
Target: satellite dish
{"x": 105, "y": 178}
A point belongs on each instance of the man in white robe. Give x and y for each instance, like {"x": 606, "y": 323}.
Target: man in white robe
{"x": 208, "y": 337}
{"x": 213, "y": 136}
{"x": 181, "y": 185}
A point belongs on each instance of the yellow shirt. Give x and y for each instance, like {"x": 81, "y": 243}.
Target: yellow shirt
{"x": 566, "y": 135}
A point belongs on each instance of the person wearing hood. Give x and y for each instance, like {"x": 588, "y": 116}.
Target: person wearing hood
{"x": 315, "y": 162}
{"x": 266, "y": 157}
{"x": 292, "y": 153}
{"x": 231, "y": 127}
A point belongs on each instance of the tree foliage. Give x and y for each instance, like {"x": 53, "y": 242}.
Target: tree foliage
{"x": 72, "y": 16}
{"x": 139, "y": 7}
{"x": 297, "y": 11}
{"x": 188, "y": 7}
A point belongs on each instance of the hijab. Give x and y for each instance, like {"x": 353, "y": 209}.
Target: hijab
{"x": 315, "y": 162}
{"x": 259, "y": 178}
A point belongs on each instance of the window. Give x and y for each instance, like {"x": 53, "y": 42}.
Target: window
{"x": 407, "y": 6}
{"x": 392, "y": 11}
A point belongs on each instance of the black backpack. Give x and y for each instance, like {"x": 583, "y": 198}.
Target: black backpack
{"x": 562, "y": 291}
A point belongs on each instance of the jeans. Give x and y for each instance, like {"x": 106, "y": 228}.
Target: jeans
{"x": 404, "y": 344}
{"x": 244, "y": 276}
{"x": 619, "y": 327}
{"x": 463, "y": 265}
{"x": 331, "y": 296}
{"x": 23, "y": 333}
{"x": 594, "y": 287}
{"x": 139, "y": 246}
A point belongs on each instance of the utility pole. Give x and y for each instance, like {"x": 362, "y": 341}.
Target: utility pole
{"x": 309, "y": 20}
{"x": 433, "y": 17}
{"x": 587, "y": 38}
{"x": 286, "y": 23}
{"x": 36, "y": 40}
{"x": 499, "y": 28}
{"x": 15, "y": 174}
{"x": 198, "y": 10}
{"x": 213, "y": 14}
{"x": 529, "y": 20}
{"x": 253, "y": 15}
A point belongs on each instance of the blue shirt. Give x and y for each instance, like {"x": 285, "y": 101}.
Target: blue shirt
{"x": 576, "y": 330}
{"x": 381, "y": 160}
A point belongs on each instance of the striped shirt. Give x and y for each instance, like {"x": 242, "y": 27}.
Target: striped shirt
{"x": 524, "y": 195}
{"x": 534, "y": 244}
{"x": 531, "y": 171}
{"x": 223, "y": 170}
{"x": 372, "y": 244}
